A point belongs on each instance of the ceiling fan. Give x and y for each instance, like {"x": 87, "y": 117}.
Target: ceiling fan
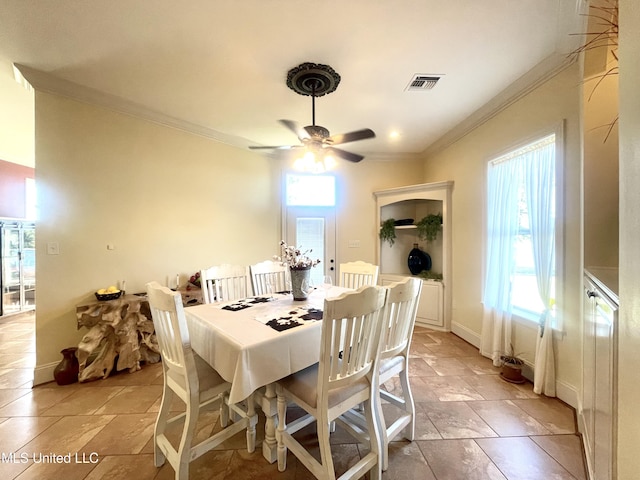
{"x": 316, "y": 80}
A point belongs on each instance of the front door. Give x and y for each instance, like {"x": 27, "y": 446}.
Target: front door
{"x": 314, "y": 228}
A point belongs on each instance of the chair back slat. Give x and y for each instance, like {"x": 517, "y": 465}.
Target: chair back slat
{"x": 170, "y": 326}
{"x": 266, "y": 274}
{"x": 350, "y": 336}
{"x": 357, "y": 274}
{"x": 399, "y": 316}
{"x": 225, "y": 283}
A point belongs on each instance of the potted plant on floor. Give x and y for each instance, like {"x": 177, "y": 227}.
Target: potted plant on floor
{"x": 512, "y": 367}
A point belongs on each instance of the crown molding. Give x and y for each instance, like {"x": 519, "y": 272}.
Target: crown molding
{"x": 45, "y": 82}
{"x": 537, "y": 76}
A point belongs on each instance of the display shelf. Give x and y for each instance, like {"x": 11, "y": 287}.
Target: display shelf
{"x": 418, "y": 201}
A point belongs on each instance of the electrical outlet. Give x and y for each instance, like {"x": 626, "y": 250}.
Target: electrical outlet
{"x": 354, "y": 243}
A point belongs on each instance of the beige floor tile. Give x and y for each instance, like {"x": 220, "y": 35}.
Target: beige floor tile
{"x": 68, "y": 469}
{"x": 35, "y": 402}
{"x": 506, "y": 419}
{"x": 449, "y": 367}
{"x": 480, "y": 365}
{"x": 16, "y": 378}
{"x": 554, "y": 415}
{"x": 459, "y": 460}
{"x": 407, "y": 463}
{"x": 418, "y": 367}
{"x": 519, "y": 458}
{"x": 492, "y": 387}
{"x": 114, "y": 419}
{"x": 84, "y": 401}
{"x": 566, "y": 450}
{"x": 70, "y": 435}
{"x": 125, "y": 434}
{"x": 131, "y": 399}
{"x": 17, "y": 432}
{"x": 450, "y": 389}
{"x": 456, "y": 420}
{"x": 10, "y": 395}
{"x": 124, "y": 467}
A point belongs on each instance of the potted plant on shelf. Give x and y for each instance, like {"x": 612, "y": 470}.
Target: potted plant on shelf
{"x": 511, "y": 367}
{"x": 429, "y": 226}
{"x": 388, "y": 231}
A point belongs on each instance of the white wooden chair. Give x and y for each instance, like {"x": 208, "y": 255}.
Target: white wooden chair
{"x": 346, "y": 376}
{"x": 269, "y": 273}
{"x": 224, "y": 283}
{"x": 191, "y": 379}
{"x": 356, "y": 274}
{"x": 399, "y": 318}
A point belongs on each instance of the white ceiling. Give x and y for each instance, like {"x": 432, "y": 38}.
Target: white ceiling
{"x": 219, "y": 67}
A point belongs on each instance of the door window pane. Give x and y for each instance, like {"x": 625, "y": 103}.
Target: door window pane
{"x": 310, "y": 236}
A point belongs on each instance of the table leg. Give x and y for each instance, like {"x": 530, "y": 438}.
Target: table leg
{"x": 269, "y": 405}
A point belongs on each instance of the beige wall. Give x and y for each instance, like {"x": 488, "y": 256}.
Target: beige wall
{"x": 16, "y": 119}
{"x": 600, "y": 140}
{"x": 170, "y": 202}
{"x": 464, "y": 162}
{"x": 629, "y": 321}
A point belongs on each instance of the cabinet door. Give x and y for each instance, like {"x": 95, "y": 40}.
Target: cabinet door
{"x": 430, "y": 305}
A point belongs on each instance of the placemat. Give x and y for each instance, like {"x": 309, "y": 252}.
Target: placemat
{"x": 290, "y": 318}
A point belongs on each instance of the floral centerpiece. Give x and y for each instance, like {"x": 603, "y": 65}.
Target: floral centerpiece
{"x": 295, "y": 258}
{"x": 299, "y": 263}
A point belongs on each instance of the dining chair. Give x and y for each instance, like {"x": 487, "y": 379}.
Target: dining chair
{"x": 224, "y": 283}
{"x": 398, "y": 318}
{"x": 356, "y": 274}
{"x": 345, "y": 376}
{"x": 268, "y": 277}
{"x": 193, "y": 381}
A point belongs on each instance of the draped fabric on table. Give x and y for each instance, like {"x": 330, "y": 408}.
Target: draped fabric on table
{"x": 502, "y": 228}
{"x": 536, "y": 168}
{"x": 540, "y": 191}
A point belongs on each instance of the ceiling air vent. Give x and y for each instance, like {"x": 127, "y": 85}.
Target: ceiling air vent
{"x": 423, "y": 82}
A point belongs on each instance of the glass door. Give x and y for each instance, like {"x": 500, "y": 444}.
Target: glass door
{"x": 17, "y": 262}
{"x": 314, "y": 228}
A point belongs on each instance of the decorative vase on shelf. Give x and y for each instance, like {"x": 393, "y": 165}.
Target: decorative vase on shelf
{"x": 298, "y": 277}
{"x": 66, "y": 372}
{"x": 418, "y": 260}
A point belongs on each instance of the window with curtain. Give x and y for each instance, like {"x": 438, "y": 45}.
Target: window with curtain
{"x": 521, "y": 228}
{"x": 521, "y": 253}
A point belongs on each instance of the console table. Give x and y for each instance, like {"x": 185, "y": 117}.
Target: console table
{"x": 119, "y": 328}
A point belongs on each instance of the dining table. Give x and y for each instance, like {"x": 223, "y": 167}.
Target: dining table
{"x": 254, "y": 342}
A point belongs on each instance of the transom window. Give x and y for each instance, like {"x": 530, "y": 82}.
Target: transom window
{"x": 310, "y": 190}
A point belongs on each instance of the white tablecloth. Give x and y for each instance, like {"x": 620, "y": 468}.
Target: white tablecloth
{"x": 248, "y": 353}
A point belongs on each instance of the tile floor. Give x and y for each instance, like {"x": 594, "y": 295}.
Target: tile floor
{"x": 470, "y": 424}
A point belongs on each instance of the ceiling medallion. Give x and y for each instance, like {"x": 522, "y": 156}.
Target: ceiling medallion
{"x": 313, "y": 79}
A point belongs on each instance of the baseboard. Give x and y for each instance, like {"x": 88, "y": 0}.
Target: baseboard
{"x": 466, "y": 334}
{"x": 44, "y": 373}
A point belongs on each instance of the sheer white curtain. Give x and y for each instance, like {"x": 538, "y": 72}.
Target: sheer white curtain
{"x": 502, "y": 228}
{"x": 539, "y": 179}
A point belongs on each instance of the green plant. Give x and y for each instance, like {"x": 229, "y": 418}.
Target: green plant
{"x": 388, "y": 231}
{"x": 429, "y": 227}
{"x": 429, "y": 275}
{"x": 511, "y": 358}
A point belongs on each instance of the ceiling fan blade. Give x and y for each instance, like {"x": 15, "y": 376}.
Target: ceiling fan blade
{"x": 272, "y": 147}
{"x": 301, "y": 133}
{"x": 352, "y": 157}
{"x": 351, "y": 136}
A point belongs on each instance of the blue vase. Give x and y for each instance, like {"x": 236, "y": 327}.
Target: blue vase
{"x": 418, "y": 260}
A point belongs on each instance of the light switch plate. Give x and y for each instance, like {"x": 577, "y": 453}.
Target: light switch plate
{"x": 53, "y": 248}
